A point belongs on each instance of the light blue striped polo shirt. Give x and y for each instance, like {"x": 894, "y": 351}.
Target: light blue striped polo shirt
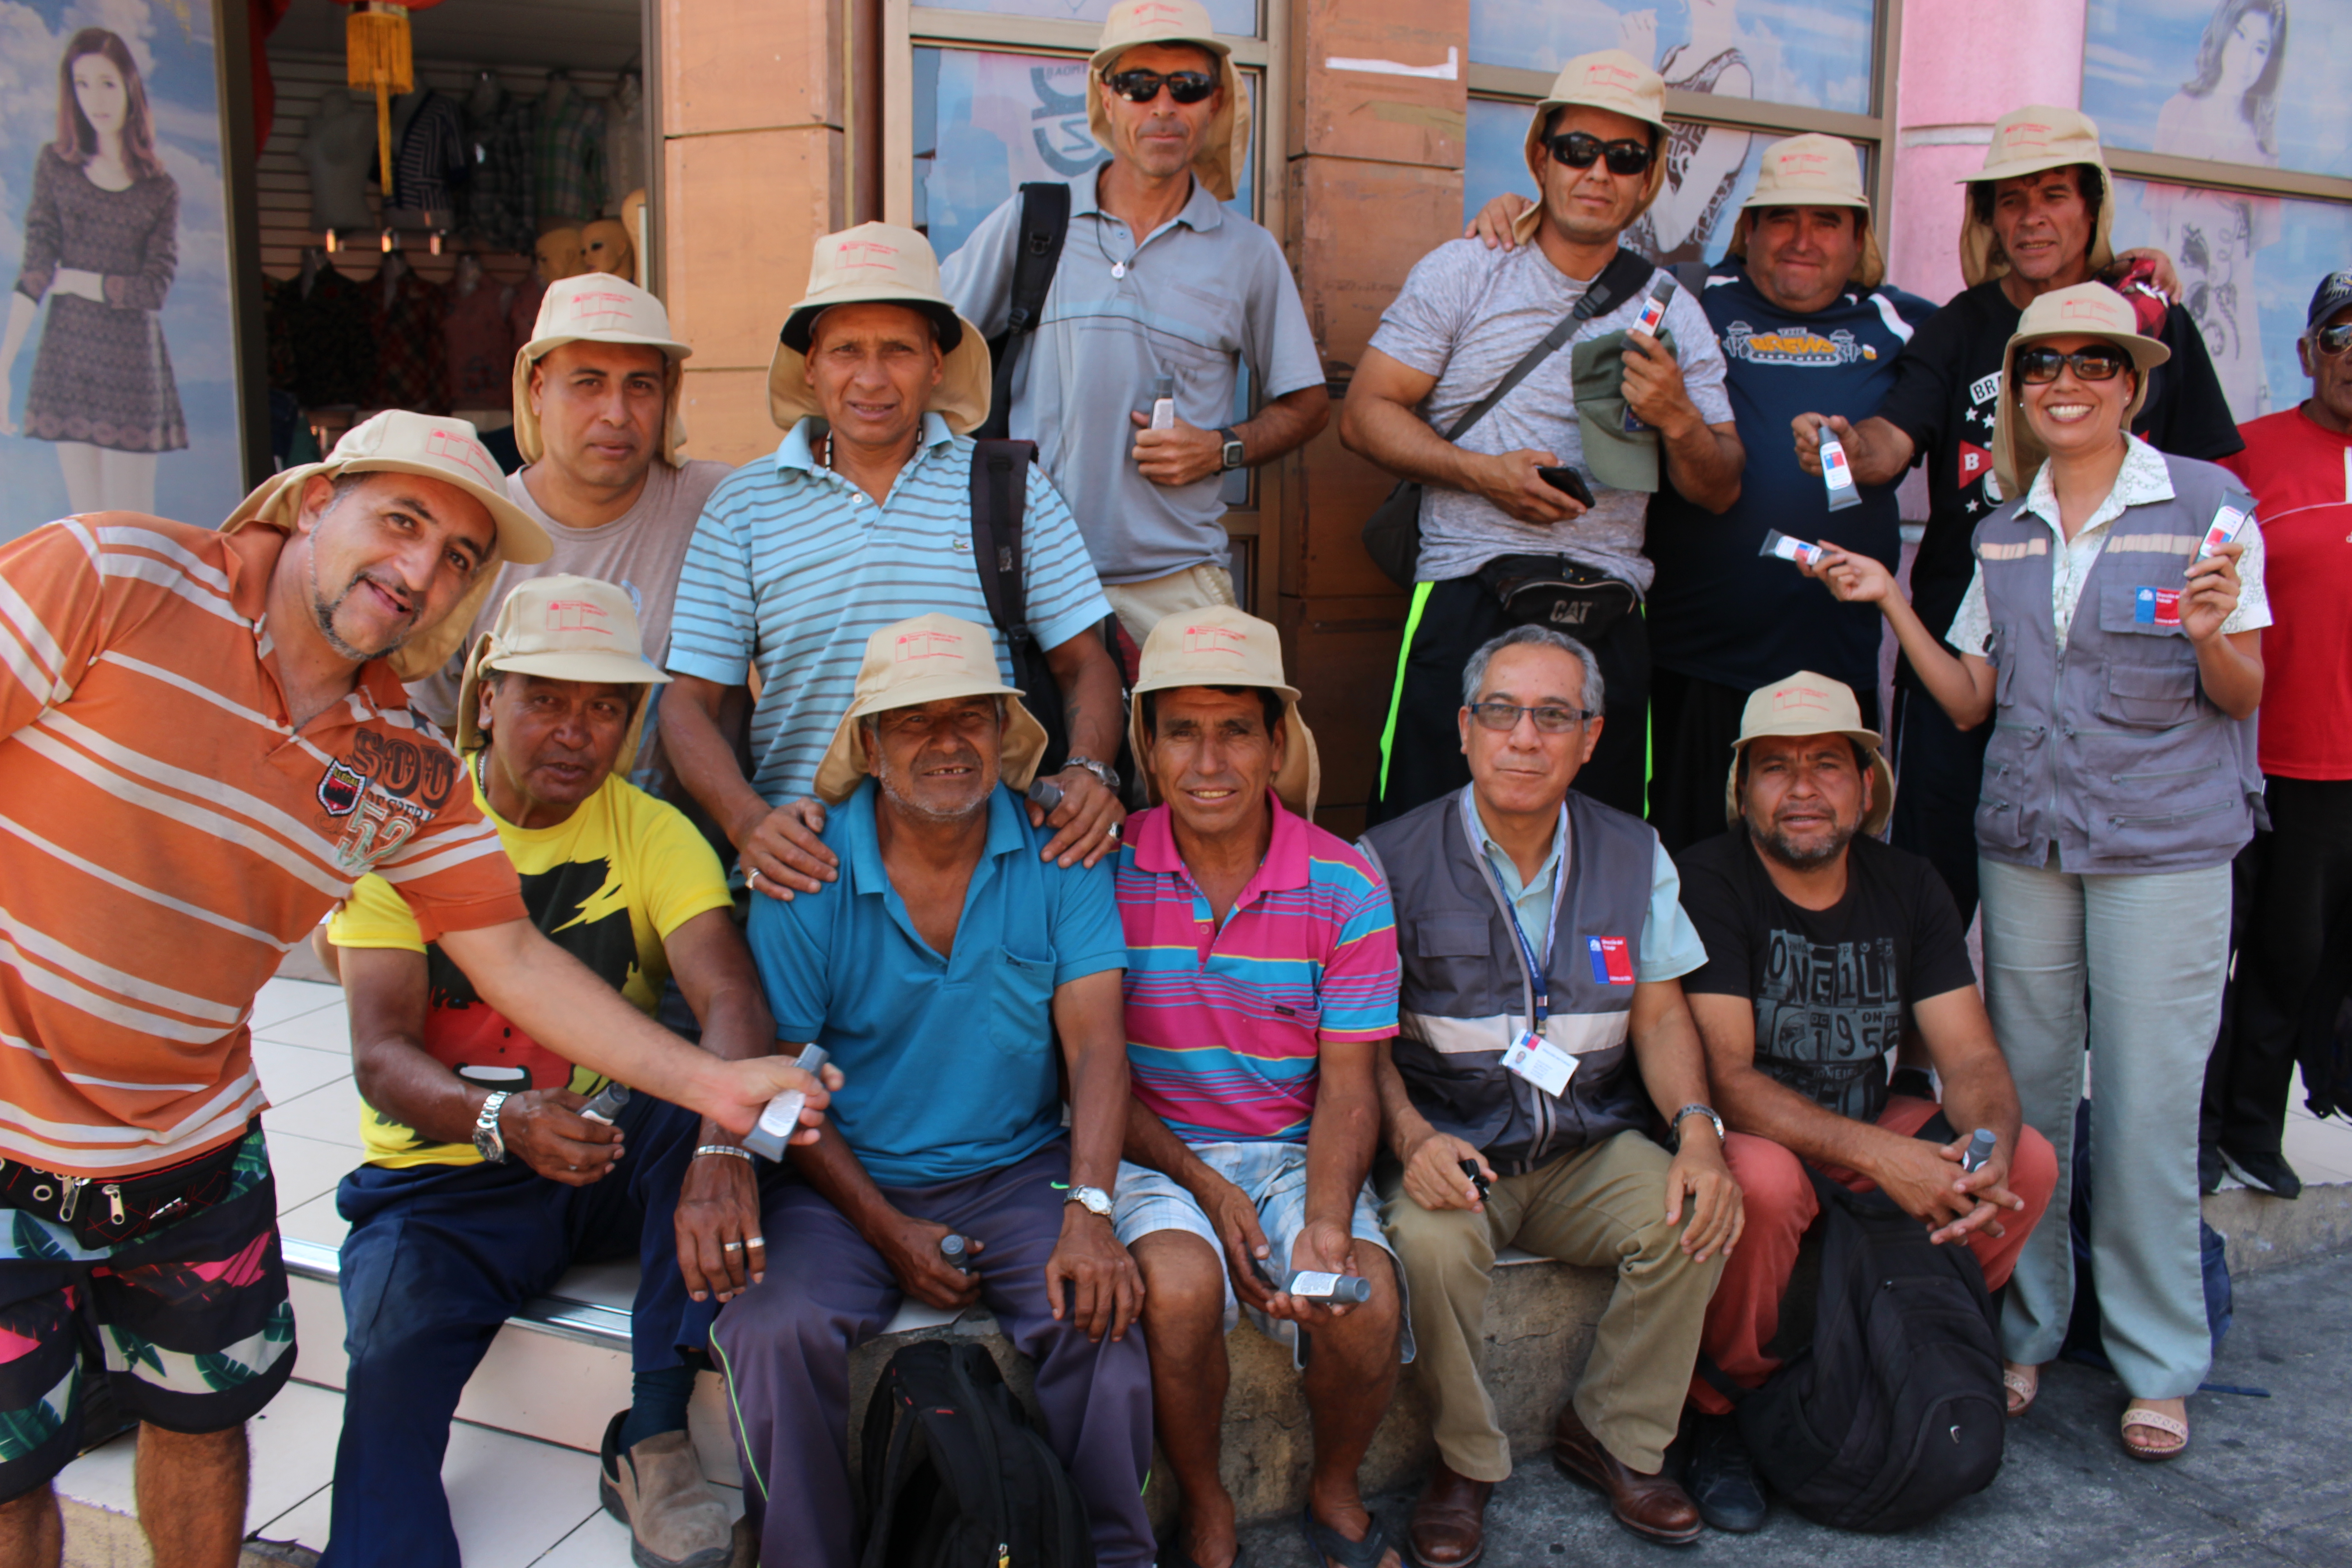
{"x": 792, "y": 567}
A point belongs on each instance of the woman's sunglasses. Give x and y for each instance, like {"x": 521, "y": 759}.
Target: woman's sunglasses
{"x": 1578, "y": 149}
{"x": 2334, "y": 340}
{"x": 2037, "y": 366}
{"x": 1143, "y": 86}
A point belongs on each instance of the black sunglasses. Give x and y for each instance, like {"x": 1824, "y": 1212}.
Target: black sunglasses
{"x": 2332, "y": 340}
{"x": 1578, "y": 149}
{"x": 1143, "y": 86}
{"x": 2037, "y": 366}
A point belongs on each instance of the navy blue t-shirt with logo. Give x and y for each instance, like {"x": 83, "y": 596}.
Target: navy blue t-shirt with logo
{"x": 1718, "y": 610}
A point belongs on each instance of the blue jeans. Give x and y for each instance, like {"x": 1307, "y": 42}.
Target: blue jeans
{"x": 440, "y": 1255}
{"x": 2144, "y": 956}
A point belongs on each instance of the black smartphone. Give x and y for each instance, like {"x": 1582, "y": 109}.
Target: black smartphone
{"x": 1568, "y": 482}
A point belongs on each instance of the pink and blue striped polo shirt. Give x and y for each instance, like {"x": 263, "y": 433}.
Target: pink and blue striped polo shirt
{"x": 1224, "y": 1023}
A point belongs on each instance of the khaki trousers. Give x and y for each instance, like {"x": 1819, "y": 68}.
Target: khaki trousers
{"x": 1603, "y": 1207}
{"x": 1140, "y": 605}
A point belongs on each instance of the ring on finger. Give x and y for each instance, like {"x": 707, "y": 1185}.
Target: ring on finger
{"x": 732, "y": 1247}
{"x": 758, "y": 1241}
{"x": 752, "y": 879}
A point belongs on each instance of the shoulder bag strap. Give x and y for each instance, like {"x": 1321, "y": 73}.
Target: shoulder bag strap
{"x": 1619, "y": 281}
{"x": 1000, "y": 494}
{"x": 1044, "y": 224}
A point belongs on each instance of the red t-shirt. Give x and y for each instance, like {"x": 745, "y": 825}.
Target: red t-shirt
{"x": 2302, "y": 479}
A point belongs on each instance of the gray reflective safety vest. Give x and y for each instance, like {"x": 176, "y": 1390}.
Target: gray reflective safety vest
{"x": 1466, "y": 993}
{"x": 2110, "y": 751}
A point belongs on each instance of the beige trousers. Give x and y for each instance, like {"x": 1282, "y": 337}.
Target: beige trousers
{"x": 1603, "y": 1207}
{"x": 1140, "y": 605}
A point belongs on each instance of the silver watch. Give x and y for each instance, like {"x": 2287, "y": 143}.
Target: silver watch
{"x": 1103, "y": 770}
{"x": 488, "y": 1142}
{"x": 1690, "y": 1111}
{"x": 1094, "y": 1199}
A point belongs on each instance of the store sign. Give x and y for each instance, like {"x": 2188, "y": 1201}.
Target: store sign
{"x": 119, "y": 366}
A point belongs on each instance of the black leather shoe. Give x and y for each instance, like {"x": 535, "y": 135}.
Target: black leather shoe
{"x": 1721, "y": 1477}
{"x": 2270, "y": 1173}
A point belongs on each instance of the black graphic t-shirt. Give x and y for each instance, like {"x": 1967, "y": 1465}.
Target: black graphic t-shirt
{"x": 1946, "y": 389}
{"x": 1833, "y": 988}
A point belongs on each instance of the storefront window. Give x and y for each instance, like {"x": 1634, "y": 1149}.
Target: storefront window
{"x": 2248, "y": 265}
{"x": 1815, "y": 56}
{"x": 1234, "y": 18}
{"x": 2237, "y": 81}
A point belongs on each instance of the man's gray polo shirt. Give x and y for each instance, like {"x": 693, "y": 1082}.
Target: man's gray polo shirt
{"x": 1204, "y": 293}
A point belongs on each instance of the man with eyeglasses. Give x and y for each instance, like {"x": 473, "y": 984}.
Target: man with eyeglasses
{"x": 2298, "y": 463}
{"x": 1157, "y": 277}
{"x": 1630, "y": 408}
{"x": 1541, "y": 1036}
{"x": 2037, "y": 219}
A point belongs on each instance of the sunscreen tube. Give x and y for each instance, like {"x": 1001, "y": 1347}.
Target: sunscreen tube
{"x": 782, "y": 1117}
{"x": 953, "y": 1248}
{"x": 1164, "y": 403}
{"x": 607, "y": 1103}
{"x": 1837, "y": 473}
{"x": 1778, "y": 544}
{"x": 1338, "y": 1289}
{"x": 2223, "y": 530}
{"x": 1653, "y": 317}
{"x": 1979, "y": 1150}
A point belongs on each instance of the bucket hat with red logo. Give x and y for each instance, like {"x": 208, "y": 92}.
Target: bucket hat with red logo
{"x": 1222, "y": 646}
{"x": 598, "y": 308}
{"x": 1810, "y": 704}
{"x": 928, "y": 660}
{"x": 562, "y": 627}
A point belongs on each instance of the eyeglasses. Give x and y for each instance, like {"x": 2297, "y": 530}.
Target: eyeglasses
{"x": 1550, "y": 720}
{"x": 1578, "y": 149}
{"x": 2036, "y": 366}
{"x": 1143, "y": 86}
{"x": 2332, "y": 340}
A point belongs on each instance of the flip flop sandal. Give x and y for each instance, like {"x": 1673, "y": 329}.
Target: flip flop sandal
{"x": 2155, "y": 1421}
{"x": 1329, "y": 1545}
{"x": 2026, "y": 1386}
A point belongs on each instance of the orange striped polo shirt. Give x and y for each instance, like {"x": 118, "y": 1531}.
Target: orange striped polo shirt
{"x": 165, "y": 835}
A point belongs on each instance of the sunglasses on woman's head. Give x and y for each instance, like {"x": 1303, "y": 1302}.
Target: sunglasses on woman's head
{"x": 1579, "y": 149}
{"x": 1143, "y": 86}
{"x": 2332, "y": 340}
{"x": 2037, "y": 366}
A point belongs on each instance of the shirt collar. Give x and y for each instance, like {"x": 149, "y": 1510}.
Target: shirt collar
{"x": 2143, "y": 478}
{"x": 1152, "y": 835}
{"x": 1201, "y": 212}
{"x": 1474, "y": 826}
{"x": 1007, "y": 831}
{"x": 798, "y": 448}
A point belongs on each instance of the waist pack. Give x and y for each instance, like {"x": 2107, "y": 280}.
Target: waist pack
{"x": 954, "y": 1474}
{"x": 1549, "y": 591}
{"x": 103, "y": 1213}
{"x": 1893, "y": 1409}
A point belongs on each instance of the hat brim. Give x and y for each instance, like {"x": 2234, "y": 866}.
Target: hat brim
{"x": 2017, "y": 456}
{"x": 1224, "y": 151}
{"x": 1298, "y": 781}
{"x": 528, "y": 438}
{"x": 966, "y": 369}
{"x": 1523, "y": 228}
{"x": 843, "y": 766}
{"x": 1882, "y": 793}
{"x": 1981, "y": 254}
{"x": 605, "y": 669}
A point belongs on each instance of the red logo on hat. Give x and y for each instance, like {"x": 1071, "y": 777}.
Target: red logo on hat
{"x": 1601, "y": 73}
{"x": 2083, "y": 311}
{"x": 603, "y": 306}
{"x": 1806, "y": 160}
{"x": 2026, "y": 134}
{"x": 1811, "y": 698}
{"x": 1214, "y": 639}
{"x": 466, "y": 453}
{"x": 856, "y": 253}
{"x": 927, "y": 644}
{"x": 576, "y": 615}
{"x": 1152, "y": 11}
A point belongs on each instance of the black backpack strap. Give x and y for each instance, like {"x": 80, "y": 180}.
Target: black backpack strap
{"x": 1000, "y": 496}
{"x": 1044, "y": 224}
{"x": 1624, "y": 277}
{"x": 1720, "y": 1380}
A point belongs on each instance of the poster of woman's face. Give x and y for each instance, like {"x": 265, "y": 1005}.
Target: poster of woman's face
{"x": 117, "y": 359}
{"x": 2237, "y": 81}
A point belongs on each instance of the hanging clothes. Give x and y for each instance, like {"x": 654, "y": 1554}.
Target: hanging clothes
{"x": 432, "y": 157}
{"x": 409, "y": 367}
{"x": 500, "y": 211}
{"x": 478, "y": 348}
{"x": 333, "y": 328}
{"x": 568, "y": 159}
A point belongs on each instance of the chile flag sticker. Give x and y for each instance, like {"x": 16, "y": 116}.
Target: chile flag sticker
{"x": 2157, "y": 606}
{"x": 1611, "y": 964}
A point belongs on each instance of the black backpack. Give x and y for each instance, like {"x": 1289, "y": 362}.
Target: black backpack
{"x": 954, "y": 1474}
{"x": 1044, "y": 224}
{"x": 1894, "y": 1410}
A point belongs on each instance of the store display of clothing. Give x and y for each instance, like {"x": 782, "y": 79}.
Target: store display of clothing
{"x": 478, "y": 348}
{"x": 333, "y": 328}
{"x": 498, "y": 209}
{"x": 568, "y": 155}
{"x": 432, "y": 157}
{"x": 408, "y": 321}
{"x": 625, "y": 142}
{"x": 340, "y": 154}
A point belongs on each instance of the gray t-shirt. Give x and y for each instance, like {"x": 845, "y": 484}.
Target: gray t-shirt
{"x": 1203, "y": 295}
{"x": 1465, "y": 316}
{"x": 640, "y": 551}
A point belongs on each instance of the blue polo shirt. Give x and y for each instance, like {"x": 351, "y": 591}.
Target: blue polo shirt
{"x": 1719, "y": 611}
{"x": 949, "y": 1062}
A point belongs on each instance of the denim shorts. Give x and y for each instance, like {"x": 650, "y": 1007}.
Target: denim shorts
{"x": 1274, "y": 1177}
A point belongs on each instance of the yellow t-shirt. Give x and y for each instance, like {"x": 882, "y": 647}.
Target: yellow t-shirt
{"x": 606, "y": 886}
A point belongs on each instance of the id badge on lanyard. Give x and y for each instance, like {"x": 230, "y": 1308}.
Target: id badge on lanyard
{"x": 1530, "y": 1055}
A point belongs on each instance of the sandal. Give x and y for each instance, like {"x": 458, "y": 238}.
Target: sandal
{"x": 2023, "y": 1384}
{"x": 1329, "y": 1546}
{"x": 2137, "y": 1414}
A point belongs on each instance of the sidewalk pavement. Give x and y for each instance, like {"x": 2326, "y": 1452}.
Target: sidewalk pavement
{"x": 2265, "y": 1481}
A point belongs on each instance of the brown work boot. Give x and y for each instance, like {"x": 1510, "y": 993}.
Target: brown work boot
{"x": 656, "y": 1489}
{"x": 1652, "y": 1506}
{"x": 1449, "y": 1523}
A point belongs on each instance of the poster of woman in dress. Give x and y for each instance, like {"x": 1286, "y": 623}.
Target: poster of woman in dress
{"x": 116, "y": 361}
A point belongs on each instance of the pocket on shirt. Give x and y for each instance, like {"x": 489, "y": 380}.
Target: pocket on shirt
{"x": 2149, "y": 696}
{"x": 1020, "y": 1005}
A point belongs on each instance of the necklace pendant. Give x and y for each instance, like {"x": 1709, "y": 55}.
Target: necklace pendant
{"x": 1118, "y": 268}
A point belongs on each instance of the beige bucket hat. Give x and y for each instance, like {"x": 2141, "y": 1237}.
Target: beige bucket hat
{"x": 2026, "y": 141}
{"x": 598, "y": 308}
{"x": 880, "y": 263}
{"x": 2087, "y": 308}
{"x": 1225, "y": 149}
{"x": 565, "y": 628}
{"x": 1814, "y": 171}
{"x": 928, "y": 660}
{"x": 1222, "y": 646}
{"x": 1810, "y": 704}
{"x": 396, "y": 441}
{"x": 1607, "y": 79}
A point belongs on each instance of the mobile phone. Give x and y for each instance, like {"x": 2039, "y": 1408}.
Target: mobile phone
{"x": 1568, "y": 482}
{"x": 1477, "y": 1178}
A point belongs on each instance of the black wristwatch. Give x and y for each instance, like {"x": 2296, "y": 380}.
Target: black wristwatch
{"x": 1230, "y": 450}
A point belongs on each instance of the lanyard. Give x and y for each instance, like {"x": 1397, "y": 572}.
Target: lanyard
{"x": 1539, "y": 982}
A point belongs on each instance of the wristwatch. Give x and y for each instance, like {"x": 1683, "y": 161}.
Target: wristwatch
{"x": 488, "y": 1142}
{"x": 1094, "y": 1199}
{"x": 1689, "y": 1111}
{"x": 1229, "y": 449}
{"x": 1103, "y": 770}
